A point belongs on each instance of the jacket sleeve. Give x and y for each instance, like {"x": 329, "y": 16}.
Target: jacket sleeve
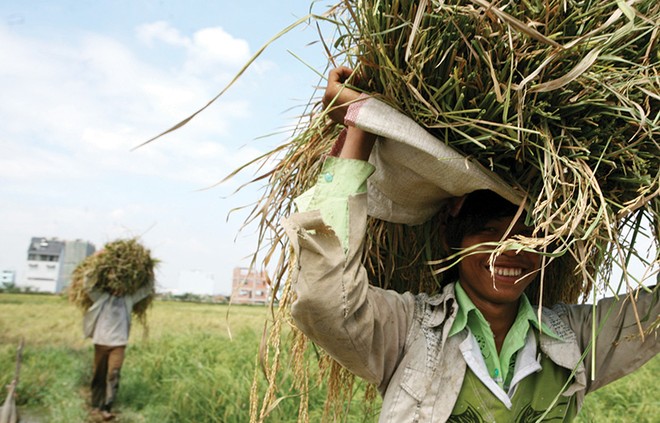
{"x": 93, "y": 293}
{"x": 362, "y": 327}
{"x": 92, "y": 314}
{"x": 140, "y": 295}
{"x": 620, "y": 349}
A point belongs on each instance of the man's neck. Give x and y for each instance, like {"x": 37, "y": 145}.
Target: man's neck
{"x": 500, "y": 317}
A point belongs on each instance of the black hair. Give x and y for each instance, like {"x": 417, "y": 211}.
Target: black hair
{"x": 479, "y": 207}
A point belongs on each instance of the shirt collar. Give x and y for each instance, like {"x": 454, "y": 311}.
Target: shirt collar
{"x": 465, "y": 305}
{"x": 525, "y": 312}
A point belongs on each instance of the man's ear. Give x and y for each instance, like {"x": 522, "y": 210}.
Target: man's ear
{"x": 443, "y": 239}
{"x": 453, "y": 208}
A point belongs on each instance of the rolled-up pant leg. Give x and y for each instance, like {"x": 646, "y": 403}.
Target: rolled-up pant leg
{"x": 105, "y": 379}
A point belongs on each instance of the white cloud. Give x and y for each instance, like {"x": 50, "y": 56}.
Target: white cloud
{"x": 95, "y": 99}
{"x": 24, "y": 163}
{"x": 208, "y": 50}
{"x": 117, "y": 214}
{"x": 161, "y": 31}
{"x": 212, "y": 46}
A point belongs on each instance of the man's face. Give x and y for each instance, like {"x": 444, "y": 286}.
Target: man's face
{"x": 511, "y": 273}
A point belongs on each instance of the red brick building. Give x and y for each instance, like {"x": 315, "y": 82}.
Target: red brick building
{"x": 249, "y": 287}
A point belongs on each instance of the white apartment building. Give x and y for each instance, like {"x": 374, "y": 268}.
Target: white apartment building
{"x": 50, "y": 263}
{"x": 7, "y": 277}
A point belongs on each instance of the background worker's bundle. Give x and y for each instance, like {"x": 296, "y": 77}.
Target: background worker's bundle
{"x": 120, "y": 268}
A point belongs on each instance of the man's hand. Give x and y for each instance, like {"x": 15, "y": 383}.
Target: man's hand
{"x": 336, "y": 99}
{"x": 337, "y": 96}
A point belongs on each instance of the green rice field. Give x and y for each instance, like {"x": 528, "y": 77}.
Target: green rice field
{"x": 197, "y": 365}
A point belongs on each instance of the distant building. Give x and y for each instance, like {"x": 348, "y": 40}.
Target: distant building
{"x": 74, "y": 252}
{"x": 196, "y": 282}
{"x": 7, "y": 277}
{"x": 43, "y": 264}
{"x": 50, "y": 262}
{"x": 249, "y": 287}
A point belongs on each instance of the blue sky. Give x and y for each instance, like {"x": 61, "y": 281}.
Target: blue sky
{"x": 83, "y": 82}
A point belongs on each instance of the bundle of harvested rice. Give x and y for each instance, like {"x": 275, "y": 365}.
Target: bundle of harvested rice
{"x": 120, "y": 268}
{"x": 559, "y": 98}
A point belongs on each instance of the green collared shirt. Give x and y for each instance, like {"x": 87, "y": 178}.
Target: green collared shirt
{"x": 500, "y": 366}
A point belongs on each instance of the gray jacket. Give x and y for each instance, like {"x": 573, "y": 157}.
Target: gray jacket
{"x": 100, "y": 298}
{"x": 400, "y": 341}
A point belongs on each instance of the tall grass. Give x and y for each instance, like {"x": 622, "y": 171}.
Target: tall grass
{"x": 633, "y": 398}
{"x": 196, "y": 365}
{"x": 190, "y": 370}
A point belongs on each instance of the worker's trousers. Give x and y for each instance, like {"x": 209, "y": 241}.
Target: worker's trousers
{"x": 105, "y": 380}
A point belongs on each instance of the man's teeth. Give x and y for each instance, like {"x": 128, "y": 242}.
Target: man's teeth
{"x": 507, "y": 271}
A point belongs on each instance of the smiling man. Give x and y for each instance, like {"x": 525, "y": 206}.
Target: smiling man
{"x": 474, "y": 352}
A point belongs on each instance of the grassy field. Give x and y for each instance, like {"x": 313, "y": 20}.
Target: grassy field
{"x": 189, "y": 368}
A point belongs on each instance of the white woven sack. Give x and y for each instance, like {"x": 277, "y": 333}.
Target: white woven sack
{"x": 415, "y": 171}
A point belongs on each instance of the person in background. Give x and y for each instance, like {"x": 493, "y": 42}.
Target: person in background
{"x": 474, "y": 352}
{"x": 108, "y": 323}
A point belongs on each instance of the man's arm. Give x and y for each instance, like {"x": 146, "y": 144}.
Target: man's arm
{"x": 93, "y": 293}
{"x": 362, "y": 327}
{"x": 619, "y": 346}
{"x": 141, "y": 294}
